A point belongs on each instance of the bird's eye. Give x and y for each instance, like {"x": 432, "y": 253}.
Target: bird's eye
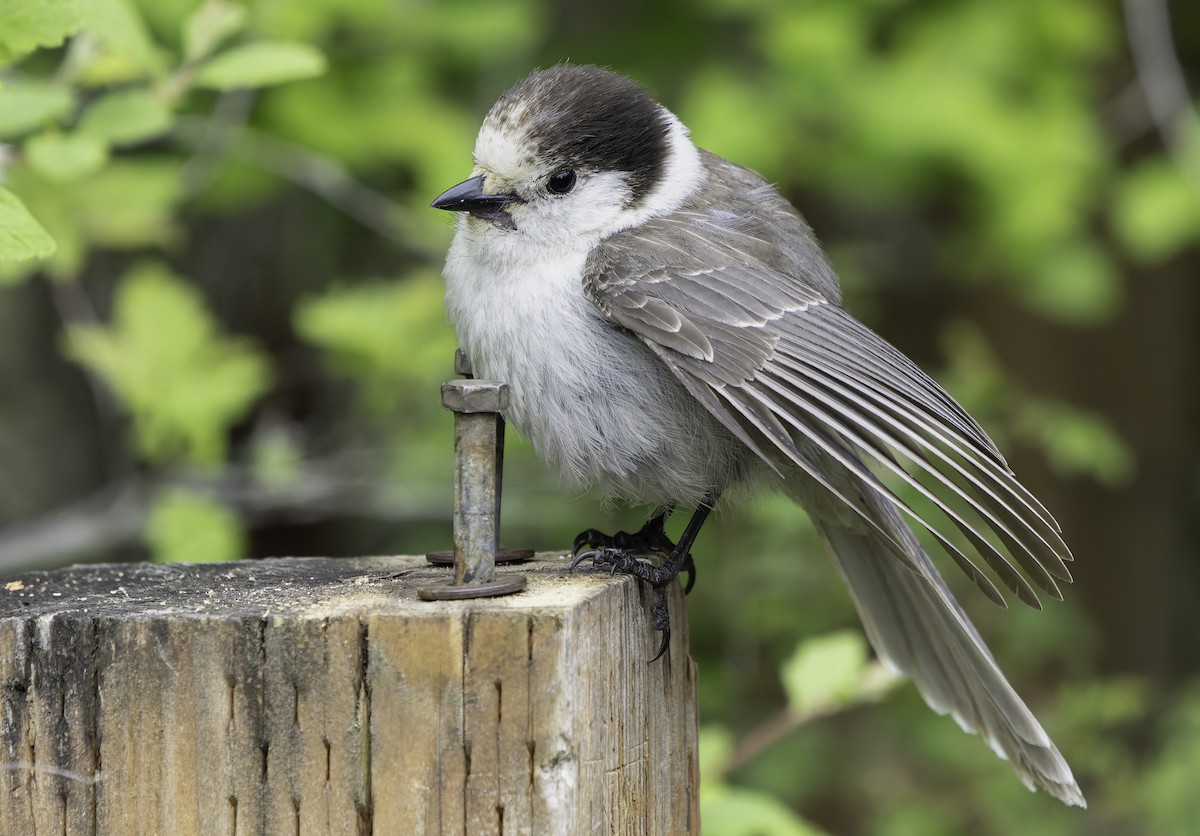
{"x": 561, "y": 181}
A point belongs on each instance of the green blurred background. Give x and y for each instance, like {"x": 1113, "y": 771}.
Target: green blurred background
{"x": 223, "y": 334}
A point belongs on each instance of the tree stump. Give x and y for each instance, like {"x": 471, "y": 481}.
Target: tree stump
{"x": 315, "y": 695}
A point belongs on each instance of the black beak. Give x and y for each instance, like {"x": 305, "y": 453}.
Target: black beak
{"x": 468, "y": 196}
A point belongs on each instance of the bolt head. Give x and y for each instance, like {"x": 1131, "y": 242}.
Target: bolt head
{"x": 475, "y": 396}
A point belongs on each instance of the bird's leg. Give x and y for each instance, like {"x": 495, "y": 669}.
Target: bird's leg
{"x": 616, "y": 559}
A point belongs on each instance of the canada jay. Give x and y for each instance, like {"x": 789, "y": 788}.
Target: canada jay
{"x": 671, "y": 331}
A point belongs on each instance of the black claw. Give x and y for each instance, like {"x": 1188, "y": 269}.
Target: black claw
{"x": 591, "y": 537}
{"x": 662, "y": 648}
{"x": 582, "y": 557}
{"x": 660, "y": 619}
{"x": 690, "y": 567}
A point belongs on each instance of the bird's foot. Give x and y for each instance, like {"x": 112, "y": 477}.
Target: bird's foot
{"x": 620, "y": 561}
{"x": 649, "y": 539}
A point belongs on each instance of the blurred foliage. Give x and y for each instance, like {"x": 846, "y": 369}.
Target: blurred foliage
{"x": 386, "y": 336}
{"x": 1074, "y": 441}
{"x": 183, "y": 384}
{"x": 188, "y": 183}
{"x": 188, "y": 527}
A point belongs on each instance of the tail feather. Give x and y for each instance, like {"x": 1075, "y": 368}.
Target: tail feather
{"x": 919, "y": 630}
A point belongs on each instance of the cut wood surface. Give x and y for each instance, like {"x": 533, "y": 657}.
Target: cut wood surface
{"x": 316, "y": 695}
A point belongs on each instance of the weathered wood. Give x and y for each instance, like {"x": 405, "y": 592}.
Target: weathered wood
{"x": 311, "y": 695}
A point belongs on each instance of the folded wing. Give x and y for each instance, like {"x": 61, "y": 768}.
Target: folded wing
{"x": 789, "y": 371}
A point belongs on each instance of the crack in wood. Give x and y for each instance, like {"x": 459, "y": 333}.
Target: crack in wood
{"x": 365, "y": 805}
{"x": 230, "y": 685}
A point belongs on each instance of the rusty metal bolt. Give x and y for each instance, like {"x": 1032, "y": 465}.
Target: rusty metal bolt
{"x": 478, "y": 470}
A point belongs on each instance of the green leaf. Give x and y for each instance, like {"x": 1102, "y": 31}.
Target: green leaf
{"x": 21, "y": 236}
{"x": 26, "y": 25}
{"x": 277, "y": 459}
{"x": 733, "y": 811}
{"x": 716, "y": 744}
{"x": 51, "y": 204}
{"x": 188, "y": 527}
{"x": 183, "y": 382}
{"x": 209, "y": 26}
{"x": 1156, "y": 212}
{"x": 1169, "y": 800}
{"x": 130, "y": 204}
{"x": 388, "y": 336}
{"x": 62, "y": 157}
{"x": 127, "y": 50}
{"x": 126, "y": 117}
{"x": 26, "y": 106}
{"x": 261, "y": 64}
{"x": 1077, "y": 442}
{"x": 726, "y": 809}
{"x": 1075, "y": 283}
{"x": 826, "y": 673}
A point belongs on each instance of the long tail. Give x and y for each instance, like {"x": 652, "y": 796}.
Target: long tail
{"x": 919, "y": 630}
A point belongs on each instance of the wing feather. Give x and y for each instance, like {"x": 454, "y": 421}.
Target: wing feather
{"x": 747, "y": 328}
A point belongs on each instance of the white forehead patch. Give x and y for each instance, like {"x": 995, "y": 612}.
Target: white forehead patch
{"x": 502, "y": 147}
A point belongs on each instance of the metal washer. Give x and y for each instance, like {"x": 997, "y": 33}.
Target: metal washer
{"x": 454, "y": 592}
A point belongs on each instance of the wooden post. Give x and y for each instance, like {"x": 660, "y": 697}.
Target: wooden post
{"x": 314, "y": 695}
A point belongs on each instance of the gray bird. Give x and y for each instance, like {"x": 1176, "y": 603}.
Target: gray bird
{"x": 672, "y": 332}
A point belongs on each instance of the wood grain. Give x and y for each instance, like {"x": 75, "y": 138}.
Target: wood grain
{"x": 312, "y": 695}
